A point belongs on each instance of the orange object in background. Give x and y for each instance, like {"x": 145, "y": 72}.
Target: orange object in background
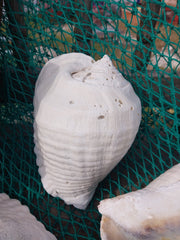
{"x": 172, "y": 3}
{"x": 132, "y": 19}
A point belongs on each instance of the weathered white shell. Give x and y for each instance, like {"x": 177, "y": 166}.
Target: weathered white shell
{"x": 17, "y": 223}
{"x": 86, "y": 118}
{"x": 152, "y": 213}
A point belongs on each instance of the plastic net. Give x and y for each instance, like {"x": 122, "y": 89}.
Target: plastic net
{"x": 143, "y": 41}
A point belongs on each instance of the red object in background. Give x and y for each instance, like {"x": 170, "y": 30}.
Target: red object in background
{"x": 170, "y": 15}
{"x": 97, "y": 10}
{"x": 51, "y": 10}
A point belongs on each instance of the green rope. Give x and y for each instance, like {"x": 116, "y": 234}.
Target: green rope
{"x": 142, "y": 43}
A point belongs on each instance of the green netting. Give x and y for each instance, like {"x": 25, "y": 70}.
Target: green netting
{"x": 143, "y": 42}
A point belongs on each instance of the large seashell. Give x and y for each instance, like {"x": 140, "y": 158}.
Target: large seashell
{"x": 152, "y": 213}
{"x": 86, "y": 118}
{"x": 16, "y": 222}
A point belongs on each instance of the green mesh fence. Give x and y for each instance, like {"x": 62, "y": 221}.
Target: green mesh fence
{"x": 143, "y": 41}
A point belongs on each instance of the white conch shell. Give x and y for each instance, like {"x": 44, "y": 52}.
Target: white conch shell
{"x": 16, "y": 222}
{"x": 151, "y": 213}
{"x": 86, "y": 118}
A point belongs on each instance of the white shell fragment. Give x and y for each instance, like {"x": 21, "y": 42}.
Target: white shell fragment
{"x": 86, "y": 118}
{"x": 152, "y": 213}
{"x": 17, "y": 223}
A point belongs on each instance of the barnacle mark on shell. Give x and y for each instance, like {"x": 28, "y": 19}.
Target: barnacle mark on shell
{"x": 87, "y": 75}
{"x": 83, "y": 124}
{"x": 97, "y": 76}
{"x": 101, "y": 117}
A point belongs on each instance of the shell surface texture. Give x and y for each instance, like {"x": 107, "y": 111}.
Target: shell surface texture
{"x": 86, "y": 117}
{"x": 152, "y": 213}
{"x": 17, "y": 223}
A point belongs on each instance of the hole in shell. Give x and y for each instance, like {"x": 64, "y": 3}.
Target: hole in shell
{"x": 71, "y": 102}
{"x": 101, "y": 117}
